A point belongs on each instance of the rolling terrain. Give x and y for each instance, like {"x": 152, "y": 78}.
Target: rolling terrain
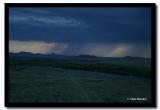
{"x": 79, "y": 79}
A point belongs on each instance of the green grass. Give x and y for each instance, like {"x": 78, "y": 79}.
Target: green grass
{"x": 43, "y": 81}
{"x": 118, "y": 66}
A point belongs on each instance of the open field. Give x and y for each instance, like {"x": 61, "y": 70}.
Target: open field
{"x": 135, "y": 67}
{"x": 50, "y": 80}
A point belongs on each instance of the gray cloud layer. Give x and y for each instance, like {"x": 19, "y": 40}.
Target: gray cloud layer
{"x": 109, "y": 32}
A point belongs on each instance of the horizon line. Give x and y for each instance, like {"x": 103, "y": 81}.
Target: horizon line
{"x": 78, "y": 55}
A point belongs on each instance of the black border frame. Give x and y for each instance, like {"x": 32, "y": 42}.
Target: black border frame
{"x": 98, "y": 5}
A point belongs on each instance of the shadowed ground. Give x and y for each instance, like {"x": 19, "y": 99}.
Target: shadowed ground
{"x": 48, "y": 84}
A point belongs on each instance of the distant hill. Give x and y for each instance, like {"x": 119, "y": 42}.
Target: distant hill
{"x": 86, "y": 56}
{"x": 56, "y": 56}
{"x": 21, "y": 54}
{"x": 28, "y": 54}
{"x": 131, "y": 57}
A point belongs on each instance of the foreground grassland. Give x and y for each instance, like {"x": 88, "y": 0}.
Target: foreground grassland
{"x": 49, "y": 80}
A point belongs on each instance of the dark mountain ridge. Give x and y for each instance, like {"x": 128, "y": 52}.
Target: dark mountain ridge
{"x": 53, "y": 55}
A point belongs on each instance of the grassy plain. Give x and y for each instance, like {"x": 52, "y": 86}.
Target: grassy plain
{"x": 79, "y": 80}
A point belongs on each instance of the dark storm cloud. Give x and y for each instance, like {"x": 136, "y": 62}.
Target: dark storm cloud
{"x": 81, "y": 25}
{"x": 84, "y": 26}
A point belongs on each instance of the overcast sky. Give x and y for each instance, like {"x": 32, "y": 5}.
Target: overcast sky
{"x": 107, "y": 32}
